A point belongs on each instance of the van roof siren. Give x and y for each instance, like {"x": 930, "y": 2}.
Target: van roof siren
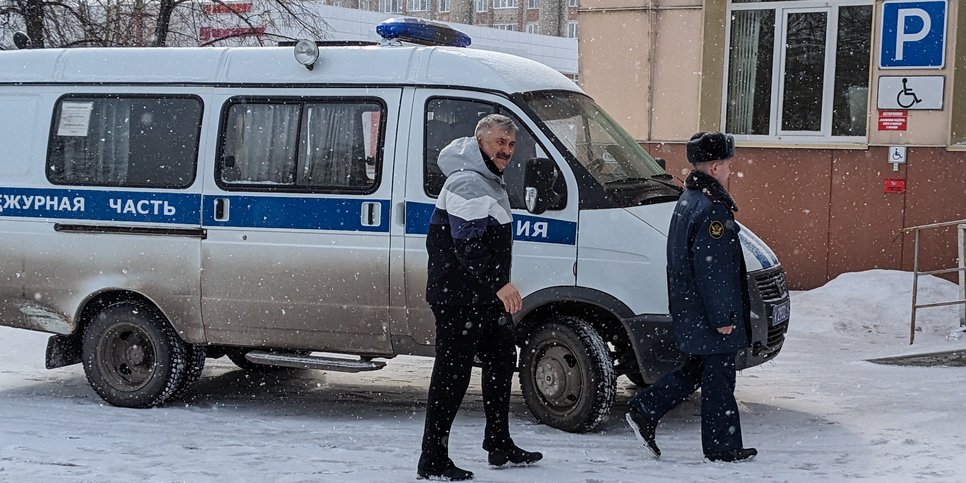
{"x": 423, "y": 32}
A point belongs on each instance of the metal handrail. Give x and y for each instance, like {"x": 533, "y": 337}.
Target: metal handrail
{"x": 961, "y": 235}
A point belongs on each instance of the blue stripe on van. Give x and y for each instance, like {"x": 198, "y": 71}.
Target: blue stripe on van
{"x": 341, "y": 214}
{"x": 526, "y": 227}
{"x": 101, "y": 205}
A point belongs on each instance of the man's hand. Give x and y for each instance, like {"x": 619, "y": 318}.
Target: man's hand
{"x": 510, "y": 297}
{"x": 726, "y": 329}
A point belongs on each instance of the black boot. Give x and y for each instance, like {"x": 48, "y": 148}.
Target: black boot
{"x": 444, "y": 470}
{"x": 514, "y": 455}
{"x": 644, "y": 430}
{"x": 734, "y": 455}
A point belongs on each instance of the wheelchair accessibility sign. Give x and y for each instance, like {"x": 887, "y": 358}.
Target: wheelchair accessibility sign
{"x": 913, "y": 34}
{"x": 912, "y": 92}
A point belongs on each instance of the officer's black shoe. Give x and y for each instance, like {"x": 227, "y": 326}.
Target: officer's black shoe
{"x": 644, "y": 430}
{"x": 734, "y": 455}
{"x": 515, "y": 455}
{"x": 441, "y": 471}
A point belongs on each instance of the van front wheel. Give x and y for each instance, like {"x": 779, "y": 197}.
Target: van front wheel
{"x": 132, "y": 357}
{"x": 567, "y": 376}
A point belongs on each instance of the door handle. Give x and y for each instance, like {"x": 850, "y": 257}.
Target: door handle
{"x": 221, "y": 209}
{"x": 371, "y": 213}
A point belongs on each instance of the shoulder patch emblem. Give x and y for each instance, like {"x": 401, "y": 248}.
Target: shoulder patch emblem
{"x": 716, "y": 230}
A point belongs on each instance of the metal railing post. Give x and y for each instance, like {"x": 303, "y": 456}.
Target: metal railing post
{"x": 915, "y": 289}
{"x": 962, "y": 274}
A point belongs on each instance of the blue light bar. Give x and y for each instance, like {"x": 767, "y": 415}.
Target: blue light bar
{"x": 423, "y": 32}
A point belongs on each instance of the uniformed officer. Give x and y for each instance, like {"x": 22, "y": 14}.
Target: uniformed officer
{"x": 709, "y": 306}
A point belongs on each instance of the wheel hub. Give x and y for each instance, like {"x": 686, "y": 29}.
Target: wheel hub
{"x": 557, "y": 377}
{"x": 135, "y": 355}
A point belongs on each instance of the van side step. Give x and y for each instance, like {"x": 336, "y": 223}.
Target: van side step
{"x": 313, "y": 362}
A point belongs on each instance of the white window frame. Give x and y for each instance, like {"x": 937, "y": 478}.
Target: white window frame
{"x": 533, "y": 4}
{"x": 505, "y": 4}
{"x": 444, "y": 5}
{"x": 418, "y": 5}
{"x": 782, "y": 11}
{"x": 571, "y": 3}
{"x": 386, "y": 6}
{"x": 482, "y": 5}
{"x": 511, "y": 27}
{"x": 572, "y": 31}
{"x": 533, "y": 27}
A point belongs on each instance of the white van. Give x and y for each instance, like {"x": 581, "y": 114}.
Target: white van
{"x": 161, "y": 206}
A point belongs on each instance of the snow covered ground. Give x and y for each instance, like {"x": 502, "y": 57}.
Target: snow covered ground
{"x": 819, "y": 412}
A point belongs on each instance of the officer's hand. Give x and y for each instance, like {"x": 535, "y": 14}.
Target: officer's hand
{"x": 510, "y": 298}
{"x": 726, "y": 329}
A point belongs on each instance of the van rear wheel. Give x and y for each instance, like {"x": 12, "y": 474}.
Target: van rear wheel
{"x": 132, "y": 357}
{"x": 567, "y": 376}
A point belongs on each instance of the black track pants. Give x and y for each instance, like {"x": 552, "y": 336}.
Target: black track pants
{"x": 463, "y": 331}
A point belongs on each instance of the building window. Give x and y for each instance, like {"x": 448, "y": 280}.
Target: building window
{"x": 533, "y": 28}
{"x": 390, "y": 6}
{"x": 481, "y": 5}
{"x": 572, "y": 30}
{"x": 504, "y": 26}
{"x": 533, "y": 4}
{"x": 418, "y": 5}
{"x": 572, "y": 3}
{"x": 444, "y": 5}
{"x": 798, "y": 71}
{"x": 505, "y": 4}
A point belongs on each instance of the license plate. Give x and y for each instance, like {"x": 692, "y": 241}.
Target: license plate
{"x": 780, "y": 313}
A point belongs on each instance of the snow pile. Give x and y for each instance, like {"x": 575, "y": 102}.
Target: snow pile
{"x": 877, "y": 302}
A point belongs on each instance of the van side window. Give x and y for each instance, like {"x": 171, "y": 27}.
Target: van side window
{"x": 132, "y": 141}
{"x": 296, "y": 145}
{"x": 449, "y": 119}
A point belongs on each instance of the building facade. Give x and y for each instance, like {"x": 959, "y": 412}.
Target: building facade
{"x": 557, "y": 18}
{"x": 849, "y": 115}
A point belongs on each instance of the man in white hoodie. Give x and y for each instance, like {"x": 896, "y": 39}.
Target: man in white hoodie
{"x": 470, "y": 245}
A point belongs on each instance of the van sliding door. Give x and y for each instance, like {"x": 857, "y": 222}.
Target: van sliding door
{"x": 297, "y": 252}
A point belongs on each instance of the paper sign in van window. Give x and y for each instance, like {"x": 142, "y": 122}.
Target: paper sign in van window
{"x": 75, "y": 117}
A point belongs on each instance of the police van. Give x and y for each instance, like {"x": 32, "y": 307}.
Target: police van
{"x": 163, "y": 206}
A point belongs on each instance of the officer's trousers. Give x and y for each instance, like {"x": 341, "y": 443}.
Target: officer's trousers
{"x": 463, "y": 331}
{"x": 715, "y": 375}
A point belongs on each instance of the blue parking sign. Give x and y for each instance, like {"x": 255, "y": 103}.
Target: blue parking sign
{"x": 913, "y": 34}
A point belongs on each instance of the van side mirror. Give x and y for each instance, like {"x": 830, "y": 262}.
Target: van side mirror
{"x": 662, "y": 163}
{"x": 539, "y": 178}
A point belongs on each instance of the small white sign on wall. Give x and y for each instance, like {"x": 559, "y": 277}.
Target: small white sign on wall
{"x": 912, "y": 92}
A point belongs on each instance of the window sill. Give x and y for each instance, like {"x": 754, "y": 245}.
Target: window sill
{"x": 801, "y": 145}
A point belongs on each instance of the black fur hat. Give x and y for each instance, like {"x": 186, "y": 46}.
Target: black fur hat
{"x": 710, "y": 146}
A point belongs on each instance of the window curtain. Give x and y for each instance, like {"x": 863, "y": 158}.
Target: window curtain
{"x": 332, "y": 148}
{"x": 101, "y": 157}
{"x": 743, "y": 71}
{"x": 263, "y": 140}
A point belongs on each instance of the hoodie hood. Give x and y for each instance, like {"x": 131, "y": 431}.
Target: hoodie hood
{"x": 463, "y": 154}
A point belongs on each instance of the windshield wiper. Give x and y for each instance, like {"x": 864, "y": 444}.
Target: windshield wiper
{"x": 657, "y": 178}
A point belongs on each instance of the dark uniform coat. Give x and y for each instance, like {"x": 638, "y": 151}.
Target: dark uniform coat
{"x": 706, "y": 270}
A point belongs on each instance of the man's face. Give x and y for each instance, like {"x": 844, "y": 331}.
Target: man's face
{"x": 721, "y": 170}
{"x": 497, "y": 145}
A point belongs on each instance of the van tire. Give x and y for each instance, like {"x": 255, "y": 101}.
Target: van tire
{"x": 132, "y": 357}
{"x": 194, "y": 365}
{"x": 567, "y": 376}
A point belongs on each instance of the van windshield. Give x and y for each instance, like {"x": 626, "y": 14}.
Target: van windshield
{"x": 610, "y": 155}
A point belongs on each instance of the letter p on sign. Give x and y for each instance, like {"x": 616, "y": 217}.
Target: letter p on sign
{"x": 913, "y": 34}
